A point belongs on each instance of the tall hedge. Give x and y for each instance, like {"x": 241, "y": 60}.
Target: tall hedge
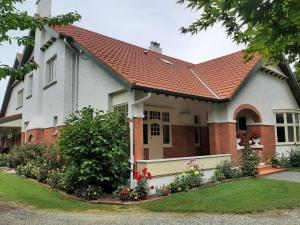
{"x": 97, "y": 144}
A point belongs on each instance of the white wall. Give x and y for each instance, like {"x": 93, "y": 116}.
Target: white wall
{"x": 266, "y": 93}
{"x": 95, "y": 85}
{"x": 12, "y": 104}
{"x": 180, "y": 108}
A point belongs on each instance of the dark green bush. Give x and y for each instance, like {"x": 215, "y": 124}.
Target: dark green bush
{"x": 249, "y": 161}
{"x": 294, "y": 157}
{"x": 227, "y": 170}
{"x": 96, "y": 144}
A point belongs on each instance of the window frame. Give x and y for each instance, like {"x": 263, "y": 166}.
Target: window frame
{"x": 286, "y": 126}
{"x": 49, "y": 62}
{"x": 20, "y": 98}
{"x": 161, "y": 120}
{"x": 30, "y": 86}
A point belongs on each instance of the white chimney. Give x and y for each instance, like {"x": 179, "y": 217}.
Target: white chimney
{"x": 44, "y": 8}
{"x": 155, "y": 47}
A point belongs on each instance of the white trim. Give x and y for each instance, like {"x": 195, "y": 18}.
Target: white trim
{"x": 207, "y": 87}
{"x": 183, "y": 158}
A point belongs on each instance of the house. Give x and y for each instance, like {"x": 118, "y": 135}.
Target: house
{"x": 177, "y": 110}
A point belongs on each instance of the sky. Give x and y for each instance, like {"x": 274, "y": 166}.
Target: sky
{"x": 137, "y": 22}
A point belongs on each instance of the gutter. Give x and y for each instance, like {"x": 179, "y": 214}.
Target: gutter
{"x": 131, "y": 128}
{"x": 75, "y": 75}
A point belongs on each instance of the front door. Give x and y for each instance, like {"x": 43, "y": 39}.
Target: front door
{"x": 155, "y": 141}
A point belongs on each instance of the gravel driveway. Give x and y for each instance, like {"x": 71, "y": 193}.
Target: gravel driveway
{"x": 18, "y": 216}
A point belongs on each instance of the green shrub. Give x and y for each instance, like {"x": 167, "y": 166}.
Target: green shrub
{"x": 96, "y": 144}
{"x": 249, "y": 161}
{"x": 228, "y": 170}
{"x": 91, "y": 192}
{"x": 218, "y": 176}
{"x": 3, "y": 160}
{"x": 23, "y": 154}
{"x": 274, "y": 162}
{"x": 294, "y": 156}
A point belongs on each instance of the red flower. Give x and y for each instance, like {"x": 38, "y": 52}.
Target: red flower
{"x": 145, "y": 170}
{"x": 152, "y": 187}
{"x": 139, "y": 177}
{"x": 149, "y": 175}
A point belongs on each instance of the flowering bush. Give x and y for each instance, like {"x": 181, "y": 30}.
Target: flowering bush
{"x": 249, "y": 161}
{"x": 54, "y": 179}
{"x": 125, "y": 194}
{"x": 3, "y": 160}
{"x": 187, "y": 180}
{"x": 91, "y": 192}
{"x": 254, "y": 135}
{"x": 140, "y": 192}
{"x": 142, "y": 188}
{"x": 241, "y": 134}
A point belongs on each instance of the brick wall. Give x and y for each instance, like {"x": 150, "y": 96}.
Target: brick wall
{"x": 183, "y": 142}
{"x": 41, "y": 136}
{"x": 138, "y": 138}
{"x": 222, "y": 139}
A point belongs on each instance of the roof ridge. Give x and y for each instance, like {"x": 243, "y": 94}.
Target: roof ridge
{"x": 221, "y": 57}
{"x": 116, "y": 39}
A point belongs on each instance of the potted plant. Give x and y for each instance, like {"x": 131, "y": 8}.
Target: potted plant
{"x": 240, "y": 139}
{"x": 255, "y": 137}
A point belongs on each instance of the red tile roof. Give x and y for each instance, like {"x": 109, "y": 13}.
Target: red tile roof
{"x": 215, "y": 79}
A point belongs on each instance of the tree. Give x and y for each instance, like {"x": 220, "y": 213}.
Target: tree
{"x": 12, "y": 19}
{"x": 270, "y": 27}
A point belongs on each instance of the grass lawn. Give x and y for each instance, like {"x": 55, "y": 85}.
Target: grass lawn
{"x": 242, "y": 196}
{"x": 18, "y": 190}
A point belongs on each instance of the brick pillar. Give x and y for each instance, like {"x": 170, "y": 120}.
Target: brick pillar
{"x": 138, "y": 138}
{"x": 268, "y": 140}
{"x": 222, "y": 139}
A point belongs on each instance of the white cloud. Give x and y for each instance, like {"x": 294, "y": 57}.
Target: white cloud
{"x": 139, "y": 22}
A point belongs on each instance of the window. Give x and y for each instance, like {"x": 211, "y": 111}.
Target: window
{"x": 20, "y": 99}
{"x": 145, "y": 115}
{"x": 145, "y": 132}
{"x": 166, "y": 117}
{"x": 166, "y": 134}
{"x": 288, "y": 127}
{"x": 51, "y": 70}
{"x": 154, "y": 115}
{"x": 242, "y": 123}
{"x": 155, "y": 129}
{"x": 30, "y": 85}
{"x": 55, "y": 122}
{"x": 26, "y": 124}
{"x": 197, "y": 135}
{"x": 196, "y": 120}
{"x": 121, "y": 109}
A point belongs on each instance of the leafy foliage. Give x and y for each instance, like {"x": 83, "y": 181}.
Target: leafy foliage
{"x": 271, "y": 28}
{"x": 12, "y": 19}
{"x": 96, "y": 144}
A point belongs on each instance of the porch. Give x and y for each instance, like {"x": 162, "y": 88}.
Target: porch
{"x": 10, "y": 132}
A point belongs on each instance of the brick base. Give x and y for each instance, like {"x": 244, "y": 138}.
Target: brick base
{"x": 267, "y": 134}
{"x": 41, "y": 136}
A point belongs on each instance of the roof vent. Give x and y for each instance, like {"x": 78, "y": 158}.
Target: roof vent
{"x": 155, "y": 47}
{"x": 167, "y": 62}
